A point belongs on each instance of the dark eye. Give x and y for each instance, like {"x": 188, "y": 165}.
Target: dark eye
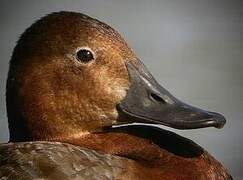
{"x": 84, "y": 55}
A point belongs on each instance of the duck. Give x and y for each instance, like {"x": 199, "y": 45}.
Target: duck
{"x": 82, "y": 105}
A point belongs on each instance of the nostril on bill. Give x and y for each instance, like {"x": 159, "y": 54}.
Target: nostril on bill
{"x": 157, "y": 98}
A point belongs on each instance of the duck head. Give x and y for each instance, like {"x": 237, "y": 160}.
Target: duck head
{"x": 71, "y": 74}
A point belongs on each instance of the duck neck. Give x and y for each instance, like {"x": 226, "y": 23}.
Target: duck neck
{"x": 121, "y": 144}
{"x": 141, "y": 143}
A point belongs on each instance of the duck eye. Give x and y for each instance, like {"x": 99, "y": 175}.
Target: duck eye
{"x": 84, "y": 55}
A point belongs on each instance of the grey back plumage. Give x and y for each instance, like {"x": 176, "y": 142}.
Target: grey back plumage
{"x": 54, "y": 160}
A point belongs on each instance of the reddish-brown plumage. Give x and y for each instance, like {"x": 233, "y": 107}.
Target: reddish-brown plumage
{"x": 53, "y": 97}
{"x": 153, "y": 161}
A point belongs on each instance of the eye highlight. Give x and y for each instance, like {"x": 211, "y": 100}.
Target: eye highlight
{"x": 84, "y": 55}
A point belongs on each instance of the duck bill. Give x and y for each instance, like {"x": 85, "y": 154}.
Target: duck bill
{"x": 148, "y": 102}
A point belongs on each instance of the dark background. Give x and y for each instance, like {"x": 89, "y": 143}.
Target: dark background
{"x": 193, "y": 47}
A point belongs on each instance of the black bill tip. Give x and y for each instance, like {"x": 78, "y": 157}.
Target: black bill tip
{"x": 217, "y": 120}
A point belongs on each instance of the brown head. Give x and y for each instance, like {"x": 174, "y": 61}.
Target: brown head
{"x": 71, "y": 74}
